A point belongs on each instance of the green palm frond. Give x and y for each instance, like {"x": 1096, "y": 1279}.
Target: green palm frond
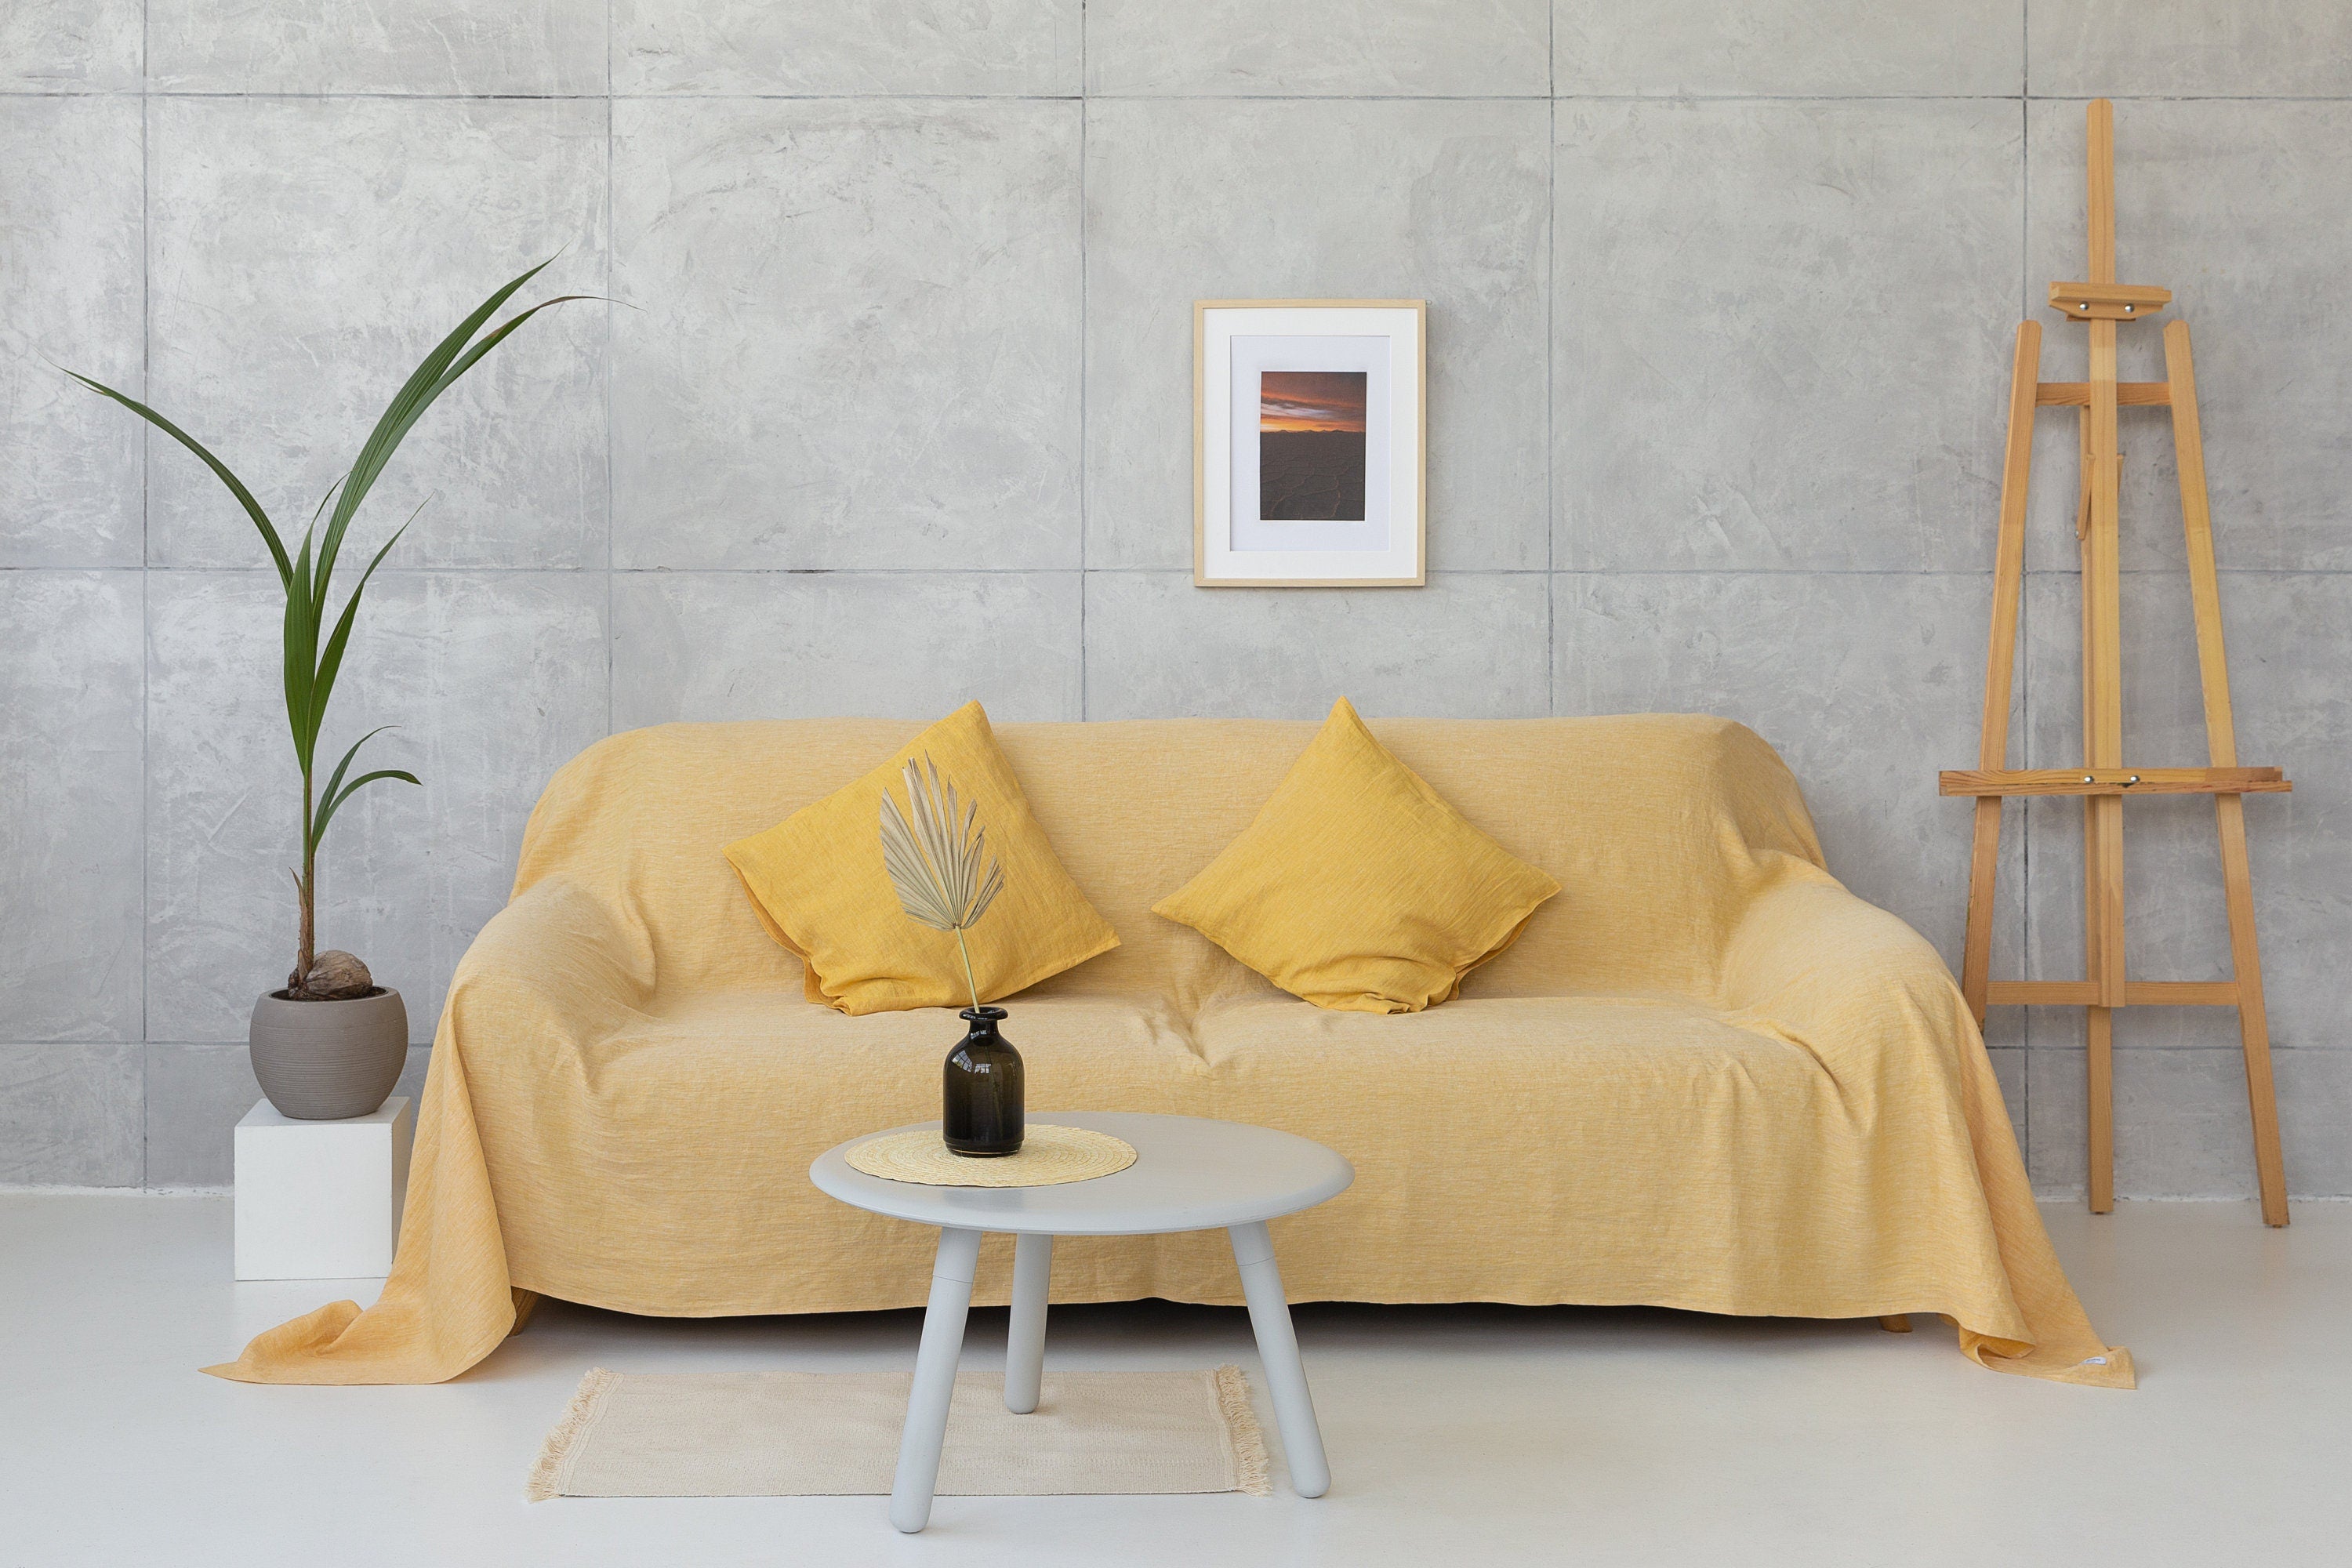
{"x": 337, "y": 792}
{"x": 306, "y": 573}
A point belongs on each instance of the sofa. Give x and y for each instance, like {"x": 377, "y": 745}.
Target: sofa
{"x": 1706, "y": 1076}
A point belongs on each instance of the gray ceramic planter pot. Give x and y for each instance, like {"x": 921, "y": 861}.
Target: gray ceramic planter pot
{"x": 322, "y": 1061}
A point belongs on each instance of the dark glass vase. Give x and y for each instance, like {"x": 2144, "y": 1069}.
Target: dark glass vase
{"x": 981, "y": 1110}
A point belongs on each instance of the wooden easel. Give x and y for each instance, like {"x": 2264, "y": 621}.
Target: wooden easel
{"x": 2104, "y": 780}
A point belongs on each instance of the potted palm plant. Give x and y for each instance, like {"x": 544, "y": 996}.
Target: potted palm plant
{"x": 331, "y": 1042}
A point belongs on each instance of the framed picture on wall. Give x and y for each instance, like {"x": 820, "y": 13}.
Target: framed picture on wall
{"x": 1310, "y": 437}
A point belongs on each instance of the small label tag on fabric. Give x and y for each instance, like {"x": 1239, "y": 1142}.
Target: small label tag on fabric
{"x": 2095, "y": 1360}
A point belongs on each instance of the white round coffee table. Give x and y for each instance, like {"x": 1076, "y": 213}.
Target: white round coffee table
{"x": 1189, "y": 1174}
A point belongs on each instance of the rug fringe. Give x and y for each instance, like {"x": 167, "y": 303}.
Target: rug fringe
{"x": 547, "y": 1474}
{"x": 1241, "y": 1425}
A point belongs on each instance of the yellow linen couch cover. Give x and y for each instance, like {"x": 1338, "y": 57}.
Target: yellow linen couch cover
{"x": 1706, "y": 1077}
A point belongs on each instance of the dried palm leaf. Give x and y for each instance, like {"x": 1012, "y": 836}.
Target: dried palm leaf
{"x": 937, "y": 855}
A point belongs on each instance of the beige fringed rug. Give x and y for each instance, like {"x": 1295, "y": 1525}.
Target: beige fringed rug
{"x": 809, "y": 1434}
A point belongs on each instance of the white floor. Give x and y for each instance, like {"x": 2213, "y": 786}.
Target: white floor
{"x": 1471, "y": 1434}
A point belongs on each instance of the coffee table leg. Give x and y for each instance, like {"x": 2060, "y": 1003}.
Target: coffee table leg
{"x": 1278, "y": 1349}
{"x": 1025, "y": 1346}
{"x": 935, "y": 1373}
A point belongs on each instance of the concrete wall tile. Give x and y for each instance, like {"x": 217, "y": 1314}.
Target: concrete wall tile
{"x": 1029, "y": 46}
{"x": 759, "y": 645}
{"x": 1867, "y": 684}
{"x": 495, "y": 679}
{"x": 2266, "y": 287}
{"x": 2181, "y": 1127}
{"x": 2290, "y": 637}
{"x": 1789, "y": 47}
{"x": 2314, "y": 1090}
{"x": 1776, "y": 333}
{"x": 70, "y": 1116}
{"x": 2085, "y": 48}
{"x": 71, "y": 248}
{"x": 1441, "y": 202}
{"x": 307, "y": 253}
{"x": 1469, "y": 646}
{"x": 1489, "y": 48}
{"x": 70, "y": 858}
{"x": 858, "y": 336}
{"x": 69, "y": 46}
{"x": 195, "y": 1096}
{"x": 506, "y": 47}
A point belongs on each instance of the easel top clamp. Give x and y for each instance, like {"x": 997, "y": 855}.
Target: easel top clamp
{"x": 2105, "y": 779}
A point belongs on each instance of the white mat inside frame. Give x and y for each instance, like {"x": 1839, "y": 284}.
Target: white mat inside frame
{"x": 806, "y": 1434}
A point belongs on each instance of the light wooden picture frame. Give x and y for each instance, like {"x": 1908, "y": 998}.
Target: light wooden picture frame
{"x": 1310, "y": 444}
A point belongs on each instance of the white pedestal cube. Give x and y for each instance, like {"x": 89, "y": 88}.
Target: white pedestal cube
{"x": 320, "y": 1200}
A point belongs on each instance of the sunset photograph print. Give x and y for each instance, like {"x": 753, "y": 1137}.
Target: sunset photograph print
{"x": 1310, "y": 446}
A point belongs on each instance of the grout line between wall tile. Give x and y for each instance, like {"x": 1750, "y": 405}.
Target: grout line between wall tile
{"x": 487, "y": 569}
{"x": 146, "y": 719}
{"x": 228, "y": 95}
{"x": 611, "y": 241}
{"x": 1551, "y": 360}
{"x": 1675, "y": 96}
{"x": 1086, "y": 132}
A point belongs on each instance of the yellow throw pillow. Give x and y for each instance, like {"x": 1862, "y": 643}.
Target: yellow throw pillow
{"x": 1358, "y": 887}
{"x": 819, "y": 884}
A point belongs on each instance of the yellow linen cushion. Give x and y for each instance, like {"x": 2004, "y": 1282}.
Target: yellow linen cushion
{"x": 820, "y": 886}
{"x": 1358, "y": 887}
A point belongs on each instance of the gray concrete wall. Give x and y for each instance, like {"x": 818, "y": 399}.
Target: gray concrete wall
{"x": 1720, "y": 299}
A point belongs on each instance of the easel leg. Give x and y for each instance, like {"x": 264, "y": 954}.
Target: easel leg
{"x": 2009, "y": 576}
{"x": 1984, "y": 861}
{"x": 2229, "y": 810}
{"x": 2102, "y": 719}
{"x": 2102, "y": 935}
{"x": 2100, "y": 1035}
{"x": 2253, "y": 1018}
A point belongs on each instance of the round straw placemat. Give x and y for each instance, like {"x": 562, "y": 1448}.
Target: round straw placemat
{"x": 1049, "y": 1156}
